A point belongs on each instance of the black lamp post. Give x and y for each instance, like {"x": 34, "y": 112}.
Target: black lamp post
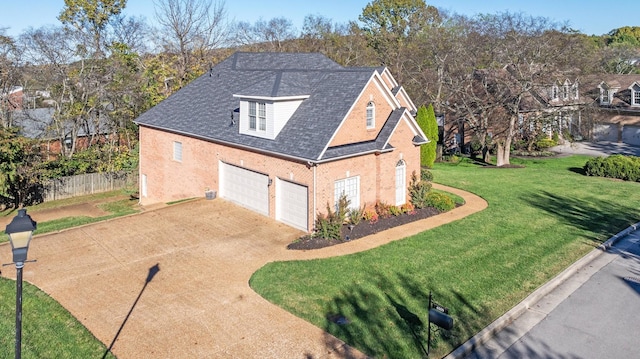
{"x": 20, "y": 231}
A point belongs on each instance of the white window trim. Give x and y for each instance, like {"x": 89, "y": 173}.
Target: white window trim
{"x": 257, "y": 112}
{"x": 401, "y": 165}
{"x": 371, "y": 120}
{"x": 177, "y": 151}
{"x": 605, "y": 96}
{"x": 340, "y": 187}
{"x": 635, "y": 97}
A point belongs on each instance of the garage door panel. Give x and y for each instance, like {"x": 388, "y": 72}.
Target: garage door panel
{"x": 245, "y": 187}
{"x": 292, "y": 204}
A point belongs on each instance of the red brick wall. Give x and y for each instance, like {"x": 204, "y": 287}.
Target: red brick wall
{"x": 354, "y": 129}
{"x": 169, "y": 180}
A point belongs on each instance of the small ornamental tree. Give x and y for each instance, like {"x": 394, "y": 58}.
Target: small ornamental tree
{"x": 426, "y": 119}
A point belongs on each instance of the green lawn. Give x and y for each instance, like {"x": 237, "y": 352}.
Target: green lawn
{"x": 48, "y": 330}
{"x": 114, "y": 203}
{"x": 540, "y": 219}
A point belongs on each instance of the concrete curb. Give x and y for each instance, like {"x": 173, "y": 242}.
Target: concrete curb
{"x": 488, "y": 332}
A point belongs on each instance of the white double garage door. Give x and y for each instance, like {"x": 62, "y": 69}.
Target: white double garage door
{"x": 251, "y": 190}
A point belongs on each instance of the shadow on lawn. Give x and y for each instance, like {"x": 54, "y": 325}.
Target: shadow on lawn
{"x": 394, "y": 313}
{"x": 587, "y": 214}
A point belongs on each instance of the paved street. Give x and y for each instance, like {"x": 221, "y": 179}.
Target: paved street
{"x": 593, "y": 314}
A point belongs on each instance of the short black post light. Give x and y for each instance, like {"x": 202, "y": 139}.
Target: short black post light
{"x": 439, "y": 316}
{"x": 20, "y": 231}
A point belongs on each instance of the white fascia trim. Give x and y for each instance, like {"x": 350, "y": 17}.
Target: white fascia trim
{"x": 388, "y": 74}
{"x": 353, "y": 155}
{"x": 274, "y": 99}
{"x": 408, "y": 99}
{"x": 413, "y": 125}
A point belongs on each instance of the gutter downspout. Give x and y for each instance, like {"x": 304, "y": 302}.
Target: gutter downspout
{"x": 314, "y": 196}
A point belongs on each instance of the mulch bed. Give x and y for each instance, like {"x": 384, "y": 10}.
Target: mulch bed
{"x": 363, "y": 229}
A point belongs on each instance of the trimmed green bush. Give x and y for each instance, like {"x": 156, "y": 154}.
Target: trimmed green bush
{"x": 426, "y": 175}
{"x": 622, "y": 167}
{"x": 543, "y": 143}
{"x": 440, "y": 201}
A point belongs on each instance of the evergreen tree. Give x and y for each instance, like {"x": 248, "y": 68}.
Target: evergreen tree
{"x": 426, "y": 119}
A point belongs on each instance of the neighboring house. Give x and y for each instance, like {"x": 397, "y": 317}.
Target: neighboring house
{"x": 595, "y": 107}
{"x": 39, "y": 124}
{"x": 617, "y": 98}
{"x": 283, "y": 134}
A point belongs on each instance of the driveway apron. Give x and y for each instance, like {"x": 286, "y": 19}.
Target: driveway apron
{"x": 174, "y": 282}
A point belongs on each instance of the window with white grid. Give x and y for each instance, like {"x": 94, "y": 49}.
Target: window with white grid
{"x": 349, "y": 187}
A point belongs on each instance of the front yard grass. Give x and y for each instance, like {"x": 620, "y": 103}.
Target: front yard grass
{"x": 540, "y": 219}
{"x": 48, "y": 330}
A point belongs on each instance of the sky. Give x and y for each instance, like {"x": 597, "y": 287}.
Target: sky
{"x": 590, "y": 17}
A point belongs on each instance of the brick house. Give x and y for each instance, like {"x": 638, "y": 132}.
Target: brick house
{"x": 283, "y": 134}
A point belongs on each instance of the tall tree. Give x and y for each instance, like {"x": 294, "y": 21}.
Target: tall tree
{"x": 391, "y": 26}
{"x": 191, "y": 28}
{"x": 91, "y": 17}
{"x": 10, "y": 77}
{"x": 19, "y": 160}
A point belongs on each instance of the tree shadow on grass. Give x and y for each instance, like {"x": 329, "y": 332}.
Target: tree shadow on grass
{"x": 388, "y": 319}
{"x": 601, "y": 218}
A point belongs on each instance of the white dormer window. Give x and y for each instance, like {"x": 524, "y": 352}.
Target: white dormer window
{"x": 635, "y": 94}
{"x": 257, "y": 116}
{"x": 576, "y": 93}
{"x": 565, "y": 92}
{"x": 371, "y": 113}
{"x": 604, "y": 97}
{"x": 554, "y": 92}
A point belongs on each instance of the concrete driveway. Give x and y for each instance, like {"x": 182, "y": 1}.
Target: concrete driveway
{"x": 173, "y": 283}
{"x": 596, "y": 149}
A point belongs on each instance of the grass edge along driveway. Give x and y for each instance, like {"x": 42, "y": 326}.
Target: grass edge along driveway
{"x": 540, "y": 219}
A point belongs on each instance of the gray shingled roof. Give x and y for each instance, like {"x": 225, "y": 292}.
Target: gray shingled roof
{"x": 203, "y": 108}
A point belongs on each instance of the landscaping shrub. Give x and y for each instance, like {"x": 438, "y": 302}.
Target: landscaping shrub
{"x": 370, "y": 216}
{"x": 440, "y": 201}
{"x": 408, "y": 208}
{"x": 544, "y": 143}
{"x": 355, "y": 215}
{"x": 383, "y": 209}
{"x": 327, "y": 226}
{"x": 395, "y": 211}
{"x": 330, "y": 225}
{"x": 418, "y": 191}
{"x": 615, "y": 166}
{"x": 426, "y": 175}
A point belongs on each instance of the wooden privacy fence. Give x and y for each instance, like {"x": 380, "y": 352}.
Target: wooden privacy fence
{"x": 72, "y": 186}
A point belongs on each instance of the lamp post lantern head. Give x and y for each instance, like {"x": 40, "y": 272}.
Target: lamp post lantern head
{"x": 20, "y": 231}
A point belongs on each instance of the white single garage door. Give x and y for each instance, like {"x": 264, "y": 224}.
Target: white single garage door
{"x": 291, "y": 204}
{"x": 244, "y": 187}
{"x": 605, "y": 132}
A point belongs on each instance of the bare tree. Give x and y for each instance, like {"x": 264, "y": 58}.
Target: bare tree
{"x": 191, "y": 28}
{"x": 9, "y": 77}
